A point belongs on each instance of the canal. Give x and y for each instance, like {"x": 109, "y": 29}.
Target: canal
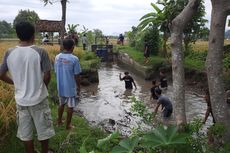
{"x": 107, "y": 103}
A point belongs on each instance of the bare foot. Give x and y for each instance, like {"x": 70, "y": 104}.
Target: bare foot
{"x": 70, "y": 127}
{"x": 60, "y": 122}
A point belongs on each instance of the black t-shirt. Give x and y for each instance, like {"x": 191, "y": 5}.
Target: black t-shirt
{"x": 153, "y": 92}
{"x": 128, "y": 82}
{"x": 163, "y": 81}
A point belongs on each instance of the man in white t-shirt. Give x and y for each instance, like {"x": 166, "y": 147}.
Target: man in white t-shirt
{"x": 29, "y": 67}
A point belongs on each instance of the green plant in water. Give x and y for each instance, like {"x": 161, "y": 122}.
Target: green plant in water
{"x": 141, "y": 110}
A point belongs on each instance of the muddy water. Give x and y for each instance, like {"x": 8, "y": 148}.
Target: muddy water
{"x": 107, "y": 103}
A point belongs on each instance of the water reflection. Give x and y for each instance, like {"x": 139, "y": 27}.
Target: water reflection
{"x": 108, "y": 101}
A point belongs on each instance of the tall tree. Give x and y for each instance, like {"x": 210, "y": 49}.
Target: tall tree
{"x": 26, "y": 15}
{"x": 163, "y": 17}
{"x": 214, "y": 64}
{"x": 159, "y": 18}
{"x": 177, "y": 27}
{"x": 5, "y": 29}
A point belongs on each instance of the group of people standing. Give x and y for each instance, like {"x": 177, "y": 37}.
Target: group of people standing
{"x": 29, "y": 67}
{"x": 156, "y": 92}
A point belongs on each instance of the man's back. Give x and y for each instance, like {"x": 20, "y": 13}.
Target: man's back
{"x": 26, "y": 66}
{"x": 66, "y": 67}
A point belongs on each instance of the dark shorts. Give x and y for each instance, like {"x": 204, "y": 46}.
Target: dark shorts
{"x": 167, "y": 113}
{"x": 146, "y": 54}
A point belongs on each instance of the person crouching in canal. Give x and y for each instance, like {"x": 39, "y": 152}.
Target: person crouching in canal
{"x": 129, "y": 82}
{"x": 165, "y": 103}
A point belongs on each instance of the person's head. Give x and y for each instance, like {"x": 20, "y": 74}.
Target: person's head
{"x": 126, "y": 73}
{"x": 68, "y": 44}
{"x": 84, "y": 35}
{"x": 154, "y": 82}
{"x": 25, "y": 31}
{"x": 158, "y": 92}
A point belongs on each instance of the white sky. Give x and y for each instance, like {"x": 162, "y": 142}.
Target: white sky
{"x": 110, "y": 16}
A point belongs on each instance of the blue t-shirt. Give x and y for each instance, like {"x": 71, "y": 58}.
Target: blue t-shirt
{"x": 66, "y": 67}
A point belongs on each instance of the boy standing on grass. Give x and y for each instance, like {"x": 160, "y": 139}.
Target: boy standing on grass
{"x": 67, "y": 68}
{"x": 29, "y": 67}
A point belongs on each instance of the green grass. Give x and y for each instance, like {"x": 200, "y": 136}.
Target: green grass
{"x": 138, "y": 56}
{"x": 195, "y": 60}
{"x": 64, "y": 141}
{"x": 194, "y": 64}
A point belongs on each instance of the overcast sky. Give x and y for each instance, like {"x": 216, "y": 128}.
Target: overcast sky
{"x": 110, "y": 16}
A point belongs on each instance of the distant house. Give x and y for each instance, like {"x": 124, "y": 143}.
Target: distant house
{"x": 49, "y": 26}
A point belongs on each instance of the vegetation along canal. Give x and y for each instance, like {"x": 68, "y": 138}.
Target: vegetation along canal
{"x": 108, "y": 104}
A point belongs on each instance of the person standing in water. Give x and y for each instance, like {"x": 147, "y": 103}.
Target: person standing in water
{"x": 129, "y": 82}
{"x": 165, "y": 103}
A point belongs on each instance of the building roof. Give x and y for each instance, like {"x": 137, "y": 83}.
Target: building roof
{"x": 48, "y": 26}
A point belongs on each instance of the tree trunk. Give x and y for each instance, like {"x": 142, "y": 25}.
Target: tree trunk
{"x": 63, "y": 5}
{"x": 214, "y": 64}
{"x": 165, "y": 39}
{"x": 178, "y": 24}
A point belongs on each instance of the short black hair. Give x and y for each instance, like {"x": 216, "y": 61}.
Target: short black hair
{"x": 158, "y": 91}
{"x": 154, "y": 82}
{"x": 25, "y": 31}
{"x": 126, "y": 73}
{"x": 68, "y": 43}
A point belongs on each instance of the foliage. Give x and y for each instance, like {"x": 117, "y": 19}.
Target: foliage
{"x": 152, "y": 37}
{"x": 26, "y": 15}
{"x": 164, "y": 136}
{"x": 72, "y": 28}
{"x": 162, "y": 19}
{"x": 140, "y": 108}
{"x": 64, "y": 141}
{"x": 132, "y": 35}
{"x": 107, "y": 143}
{"x": 126, "y": 146}
{"x": 6, "y": 29}
{"x": 196, "y": 60}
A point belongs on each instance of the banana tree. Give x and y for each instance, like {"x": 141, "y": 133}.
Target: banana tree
{"x": 72, "y": 28}
{"x": 159, "y": 18}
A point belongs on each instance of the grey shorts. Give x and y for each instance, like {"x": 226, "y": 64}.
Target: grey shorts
{"x": 70, "y": 101}
{"x": 38, "y": 117}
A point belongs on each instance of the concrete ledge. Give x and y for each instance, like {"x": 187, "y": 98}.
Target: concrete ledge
{"x": 129, "y": 63}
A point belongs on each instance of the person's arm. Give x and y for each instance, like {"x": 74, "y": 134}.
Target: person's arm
{"x": 4, "y": 69}
{"x": 78, "y": 83}
{"x": 120, "y": 77}
{"x": 46, "y": 78}
{"x": 4, "y": 77}
{"x": 134, "y": 84}
{"x": 156, "y": 109}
